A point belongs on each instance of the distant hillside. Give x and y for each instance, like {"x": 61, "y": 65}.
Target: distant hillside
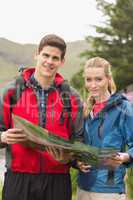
{"x": 73, "y": 60}
{"x": 12, "y": 55}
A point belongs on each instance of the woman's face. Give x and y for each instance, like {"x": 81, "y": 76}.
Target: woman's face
{"x": 96, "y": 82}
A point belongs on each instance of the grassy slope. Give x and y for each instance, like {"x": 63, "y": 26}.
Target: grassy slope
{"x": 11, "y": 56}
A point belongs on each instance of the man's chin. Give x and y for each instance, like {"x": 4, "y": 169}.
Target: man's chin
{"x": 48, "y": 75}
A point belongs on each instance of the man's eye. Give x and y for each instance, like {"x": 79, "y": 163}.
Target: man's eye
{"x": 45, "y": 55}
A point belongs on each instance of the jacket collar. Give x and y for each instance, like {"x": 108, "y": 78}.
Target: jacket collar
{"x": 29, "y": 72}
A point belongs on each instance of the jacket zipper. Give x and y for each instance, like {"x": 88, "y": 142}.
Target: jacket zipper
{"x": 52, "y": 112}
{"x": 42, "y": 99}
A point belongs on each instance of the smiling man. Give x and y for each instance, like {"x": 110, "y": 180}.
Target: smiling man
{"x": 37, "y": 95}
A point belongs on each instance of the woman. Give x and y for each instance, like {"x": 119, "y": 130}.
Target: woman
{"x": 108, "y": 123}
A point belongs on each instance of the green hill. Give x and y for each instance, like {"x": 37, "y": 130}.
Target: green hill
{"x": 73, "y": 60}
{"x": 12, "y": 55}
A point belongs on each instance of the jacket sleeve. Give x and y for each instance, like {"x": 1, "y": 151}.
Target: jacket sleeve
{"x": 77, "y": 116}
{"x": 127, "y": 129}
{"x": 79, "y": 125}
{"x": 87, "y": 136}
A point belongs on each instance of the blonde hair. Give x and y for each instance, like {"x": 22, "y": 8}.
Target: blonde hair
{"x": 98, "y": 62}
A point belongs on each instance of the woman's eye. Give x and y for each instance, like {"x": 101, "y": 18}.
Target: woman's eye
{"x": 98, "y": 79}
{"x": 88, "y": 79}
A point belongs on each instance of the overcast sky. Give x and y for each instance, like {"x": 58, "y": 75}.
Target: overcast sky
{"x": 26, "y": 21}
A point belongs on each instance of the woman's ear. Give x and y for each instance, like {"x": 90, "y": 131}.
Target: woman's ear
{"x": 109, "y": 79}
{"x": 109, "y": 84}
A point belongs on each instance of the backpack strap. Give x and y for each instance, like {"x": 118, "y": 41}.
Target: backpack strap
{"x": 20, "y": 85}
{"x": 22, "y": 68}
{"x": 65, "y": 94}
{"x": 67, "y": 107}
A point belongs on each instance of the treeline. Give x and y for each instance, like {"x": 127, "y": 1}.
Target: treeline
{"x": 114, "y": 42}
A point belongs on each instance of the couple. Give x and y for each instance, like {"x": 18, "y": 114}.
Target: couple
{"x": 33, "y": 174}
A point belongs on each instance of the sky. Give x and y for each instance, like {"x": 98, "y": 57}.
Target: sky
{"x": 27, "y": 21}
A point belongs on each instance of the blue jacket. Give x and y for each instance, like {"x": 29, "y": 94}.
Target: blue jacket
{"x": 111, "y": 127}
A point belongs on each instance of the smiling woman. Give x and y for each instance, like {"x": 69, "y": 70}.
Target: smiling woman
{"x": 98, "y": 80}
{"x": 108, "y": 123}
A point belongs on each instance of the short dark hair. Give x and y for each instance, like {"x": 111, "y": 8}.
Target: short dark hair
{"x": 55, "y": 41}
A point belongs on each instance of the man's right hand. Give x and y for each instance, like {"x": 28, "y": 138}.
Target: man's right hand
{"x": 59, "y": 154}
{"x": 13, "y": 135}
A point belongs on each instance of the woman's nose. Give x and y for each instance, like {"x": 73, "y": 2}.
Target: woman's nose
{"x": 93, "y": 84}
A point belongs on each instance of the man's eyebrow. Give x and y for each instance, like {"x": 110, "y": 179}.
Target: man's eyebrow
{"x": 56, "y": 57}
{"x": 46, "y": 54}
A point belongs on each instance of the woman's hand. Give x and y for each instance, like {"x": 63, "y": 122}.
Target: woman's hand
{"x": 83, "y": 167}
{"x": 117, "y": 159}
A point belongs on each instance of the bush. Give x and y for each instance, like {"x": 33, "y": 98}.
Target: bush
{"x": 129, "y": 183}
{"x": 0, "y": 190}
{"x": 74, "y": 182}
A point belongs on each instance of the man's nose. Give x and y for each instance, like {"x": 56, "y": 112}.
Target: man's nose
{"x": 49, "y": 60}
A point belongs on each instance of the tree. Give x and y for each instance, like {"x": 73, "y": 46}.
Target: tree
{"x": 115, "y": 39}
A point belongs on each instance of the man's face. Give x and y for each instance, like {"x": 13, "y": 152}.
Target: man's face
{"x": 48, "y": 61}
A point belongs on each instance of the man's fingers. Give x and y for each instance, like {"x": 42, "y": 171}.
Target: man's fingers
{"x": 53, "y": 151}
{"x": 14, "y": 135}
{"x": 15, "y": 130}
{"x": 59, "y": 154}
{"x": 13, "y": 141}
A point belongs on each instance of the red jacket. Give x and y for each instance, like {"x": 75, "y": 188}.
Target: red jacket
{"x": 25, "y": 159}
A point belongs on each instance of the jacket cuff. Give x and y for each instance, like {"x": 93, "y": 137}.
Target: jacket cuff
{"x": 2, "y": 145}
{"x": 130, "y": 162}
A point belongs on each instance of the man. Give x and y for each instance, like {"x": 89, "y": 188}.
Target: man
{"x": 33, "y": 174}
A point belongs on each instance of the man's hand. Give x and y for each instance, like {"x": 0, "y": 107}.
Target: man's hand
{"x": 116, "y": 160}
{"x": 60, "y": 154}
{"x": 13, "y": 135}
{"x": 83, "y": 167}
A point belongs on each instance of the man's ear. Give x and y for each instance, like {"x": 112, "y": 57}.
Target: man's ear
{"x": 62, "y": 61}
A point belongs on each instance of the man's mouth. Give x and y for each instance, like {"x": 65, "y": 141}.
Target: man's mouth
{"x": 48, "y": 67}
